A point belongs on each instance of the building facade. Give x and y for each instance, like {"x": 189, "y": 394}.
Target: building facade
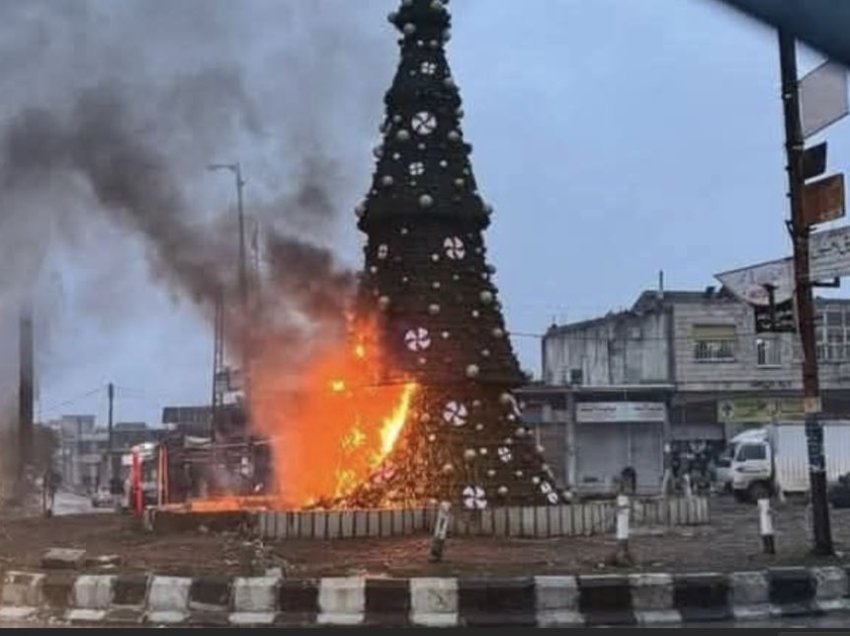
{"x": 696, "y": 357}
{"x": 81, "y": 453}
{"x": 80, "y": 450}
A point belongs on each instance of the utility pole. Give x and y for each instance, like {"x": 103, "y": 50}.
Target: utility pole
{"x": 25, "y": 392}
{"x": 243, "y": 264}
{"x": 236, "y": 169}
{"x": 245, "y": 322}
{"x": 110, "y": 393}
{"x": 247, "y": 335}
{"x": 805, "y": 304}
{"x": 218, "y": 363}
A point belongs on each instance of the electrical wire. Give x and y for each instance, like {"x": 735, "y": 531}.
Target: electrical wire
{"x": 70, "y": 401}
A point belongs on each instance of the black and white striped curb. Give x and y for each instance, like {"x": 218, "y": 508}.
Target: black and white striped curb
{"x": 542, "y": 600}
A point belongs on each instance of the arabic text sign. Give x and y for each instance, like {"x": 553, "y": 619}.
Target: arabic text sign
{"x": 749, "y": 283}
{"x": 829, "y": 254}
{"x": 759, "y": 411}
{"x": 590, "y": 412}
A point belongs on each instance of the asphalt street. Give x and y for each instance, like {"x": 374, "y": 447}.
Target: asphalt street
{"x": 840, "y": 622}
{"x": 825, "y": 622}
{"x": 68, "y": 503}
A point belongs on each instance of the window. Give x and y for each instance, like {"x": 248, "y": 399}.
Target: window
{"x": 750, "y": 452}
{"x": 832, "y": 335}
{"x": 768, "y": 352}
{"x": 714, "y": 343}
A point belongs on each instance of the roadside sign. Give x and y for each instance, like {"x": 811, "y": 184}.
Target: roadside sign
{"x": 823, "y": 200}
{"x": 823, "y": 97}
{"x": 829, "y": 254}
{"x": 759, "y": 411}
{"x": 814, "y": 161}
{"x": 751, "y": 284}
{"x": 829, "y": 257}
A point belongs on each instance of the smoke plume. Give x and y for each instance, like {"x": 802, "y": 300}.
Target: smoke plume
{"x": 110, "y": 113}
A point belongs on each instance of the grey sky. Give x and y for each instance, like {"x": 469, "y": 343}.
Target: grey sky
{"x": 613, "y": 137}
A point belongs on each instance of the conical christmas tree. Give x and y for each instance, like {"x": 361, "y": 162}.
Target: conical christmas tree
{"x": 439, "y": 320}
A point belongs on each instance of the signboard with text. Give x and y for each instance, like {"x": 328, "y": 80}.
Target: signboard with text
{"x": 597, "y": 412}
{"x": 760, "y": 410}
{"x": 829, "y": 254}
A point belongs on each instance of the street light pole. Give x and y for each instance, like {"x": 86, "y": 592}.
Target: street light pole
{"x": 243, "y": 275}
{"x": 110, "y": 394}
{"x": 236, "y": 169}
{"x": 794, "y": 146}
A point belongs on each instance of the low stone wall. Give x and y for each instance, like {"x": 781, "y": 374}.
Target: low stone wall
{"x": 550, "y": 521}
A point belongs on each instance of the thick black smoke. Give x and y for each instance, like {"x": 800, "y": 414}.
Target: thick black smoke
{"x": 109, "y": 113}
{"x": 129, "y": 180}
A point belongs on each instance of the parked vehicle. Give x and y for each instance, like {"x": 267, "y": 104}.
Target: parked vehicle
{"x": 775, "y": 458}
{"x": 723, "y": 473}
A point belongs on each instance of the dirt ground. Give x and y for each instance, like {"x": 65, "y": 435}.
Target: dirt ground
{"x": 731, "y": 542}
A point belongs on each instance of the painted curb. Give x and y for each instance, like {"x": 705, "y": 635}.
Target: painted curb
{"x": 550, "y": 601}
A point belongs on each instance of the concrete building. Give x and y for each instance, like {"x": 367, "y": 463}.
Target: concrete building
{"x": 80, "y": 450}
{"x": 688, "y": 364}
{"x": 188, "y": 420}
{"x": 125, "y": 435}
{"x": 196, "y": 421}
{"x": 82, "y": 447}
{"x": 590, "y": 434}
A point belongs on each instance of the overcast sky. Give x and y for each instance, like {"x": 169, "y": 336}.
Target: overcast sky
{"x": 614, "y": 139}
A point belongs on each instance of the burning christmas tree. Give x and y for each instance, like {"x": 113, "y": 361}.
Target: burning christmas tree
{"x": 439, "y": 323}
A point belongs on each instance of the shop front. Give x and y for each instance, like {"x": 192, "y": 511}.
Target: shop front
{"x": 613, "y": 436}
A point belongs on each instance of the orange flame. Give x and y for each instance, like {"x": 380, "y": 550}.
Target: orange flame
{"x": 395, "y": 422}
{"x": 334, "y": 431}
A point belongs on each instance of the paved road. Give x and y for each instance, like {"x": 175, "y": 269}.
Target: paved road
{"x": 68, "y": 503}
{"x": 826, "y": 622}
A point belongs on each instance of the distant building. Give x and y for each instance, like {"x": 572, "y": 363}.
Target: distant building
{"x": 82, "y": 447}
{"x": 196, "y": 421}
{"x": 684, "y": 368}
{"x": 125, "y": 435}
{"x": 188, "y": 420}
{"x": 80, "y": 450}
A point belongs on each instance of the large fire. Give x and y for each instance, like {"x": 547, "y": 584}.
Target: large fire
{"x": 337, "y": 429}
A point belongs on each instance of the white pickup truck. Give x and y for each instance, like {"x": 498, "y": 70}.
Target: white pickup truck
{"x": 775, "y": 458}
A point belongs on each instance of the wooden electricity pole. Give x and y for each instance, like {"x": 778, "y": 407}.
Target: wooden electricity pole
{"x": 110, "y": 393}
{"x": 805, "y": 304}
{"x": 25, "y": 393}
